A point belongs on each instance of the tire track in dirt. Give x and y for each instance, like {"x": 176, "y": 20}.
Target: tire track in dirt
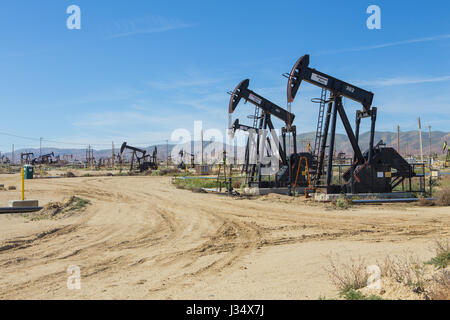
{"x": 140, "y": 227}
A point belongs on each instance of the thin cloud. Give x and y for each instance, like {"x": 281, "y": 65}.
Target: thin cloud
{"x": 146, "y": 25}
{"x": 170, "y": 85}
{"x": 152, "y": 30}
{"x": 401, "y": 81}
{"x": 391, "y": 44}
{"x": 112, "y": 119}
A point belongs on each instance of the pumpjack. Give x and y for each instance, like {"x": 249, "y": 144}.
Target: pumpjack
{"x": 378, "y": 170}
{"x": 44, "y": 159}
{"x": 264, "y": 110}
{"x": 26, "y": 158}
{"x": 182, "y": 155}
{"x": 145, "y": 161}
{"x": 4, "y": 160}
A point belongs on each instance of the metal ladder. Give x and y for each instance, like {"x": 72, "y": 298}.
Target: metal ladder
{"x": 255, "y": 125}
{"x": 323, "y": 98}
{"x": 318, "y": 142}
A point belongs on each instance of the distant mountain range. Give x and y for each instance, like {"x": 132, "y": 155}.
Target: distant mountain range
{"x": 409, "y": 141}
{"x": 409, "y": 145}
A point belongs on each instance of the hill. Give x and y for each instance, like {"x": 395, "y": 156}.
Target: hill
{"x": 409, "y": 145}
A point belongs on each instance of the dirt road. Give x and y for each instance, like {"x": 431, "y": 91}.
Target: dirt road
{"x": 143, "y": 239}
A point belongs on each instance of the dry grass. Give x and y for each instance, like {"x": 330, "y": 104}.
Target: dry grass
{"x": 441, "y": 250}
{"x": 405, "y": 276}
{"x": 347, "y": 276}
{"x": 67, "y": 207}
{"x": 342, "y": 203}
{"x": 439, "y": 288}
{"x": 443, "y": 198}
{"x": 237, "y": 183}
{"x": 407, "y": 270}
{"x": 424, "y": 202}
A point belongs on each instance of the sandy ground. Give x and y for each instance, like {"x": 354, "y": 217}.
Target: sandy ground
{"x": 143, "y": 239}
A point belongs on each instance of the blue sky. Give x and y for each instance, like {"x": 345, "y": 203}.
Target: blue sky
{"x": 139, "y": 69}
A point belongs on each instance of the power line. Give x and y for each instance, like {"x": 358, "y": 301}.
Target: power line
{"x": 76, "y": 143}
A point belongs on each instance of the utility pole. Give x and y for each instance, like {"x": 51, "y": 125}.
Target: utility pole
{"x": 89, "y": 157}
{"x": 92, "y": 156}
{"x": 202, "y": 148}
{"x": 429, "y": 141}
{"x": 12, "y": 155}
{"x": 420, "y": 141}
{"x": 113, "y": 155}
{"x": 398, "y": 139}
{"x": 211, "y": 150}
{"x": 40, "y": 153}
{"x": 167, "y": 157}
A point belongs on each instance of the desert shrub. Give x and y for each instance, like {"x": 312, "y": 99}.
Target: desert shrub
{"x": 76, "y": 203}
{"x": 444, "y": 197}
{"x": 156, "y": 173}
{"x": 198, "y": 190}
{"x": 442, "y": 254}
{"x": 198, "y": 183}
{"x": 347, "y": 276}
{"x": 12, "y": 188}
{"x": 236, "y": 184}
{"x": 424, "y": 202}
{"x": 169, "y": 171}
{"x": 440, "y": 287}
{"x": 356, "y": 295}
{"x": 407, "y": 270}
{"x": 342, "y": 203}
{"x": 54, "y": 210}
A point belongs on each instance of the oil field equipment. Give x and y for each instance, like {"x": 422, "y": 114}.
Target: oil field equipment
{"x": 26, "y": 158}
{"x": 183, "y": 165}
{"x": 380, "y": 169}
{"x": 447, "y": 158}
{"x": 288, "y": 163}
{"x": 144, "y": 161}
{"x": 44, "y": 159}
{"x": 4, "y": 160}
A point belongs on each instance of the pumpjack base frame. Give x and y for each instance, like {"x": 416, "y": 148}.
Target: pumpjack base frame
{"x": 283, "y": 191}
{"x": 328, "y": 197}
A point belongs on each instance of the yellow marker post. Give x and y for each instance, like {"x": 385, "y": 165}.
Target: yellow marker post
{"x": 23, "y": 184}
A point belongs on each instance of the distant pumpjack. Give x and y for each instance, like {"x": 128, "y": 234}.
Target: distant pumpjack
{"x": 182, "y": 155}
{"x": 44, "y": 159}
{"x": 145, "y": 161}
{"x": 26, "y": 158}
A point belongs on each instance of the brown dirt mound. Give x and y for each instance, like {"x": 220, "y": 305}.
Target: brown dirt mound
{"x": 393, "y": 290}
{"x": 66, "y": 207}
